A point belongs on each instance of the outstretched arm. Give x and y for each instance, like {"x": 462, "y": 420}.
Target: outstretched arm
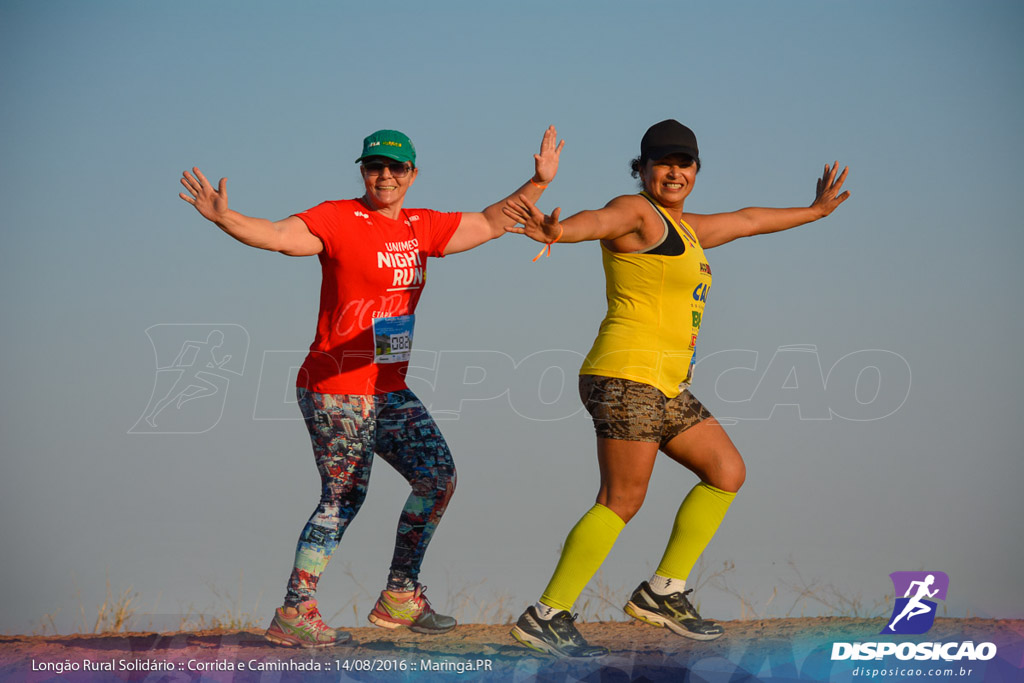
{"x": 477, "y": 228}
{"x": 619, "y": 217}
{"x": 717, "y": 229}
{"x": 289, "y": 236}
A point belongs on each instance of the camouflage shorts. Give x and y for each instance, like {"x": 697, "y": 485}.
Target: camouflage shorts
{"x": 632, "y": 411}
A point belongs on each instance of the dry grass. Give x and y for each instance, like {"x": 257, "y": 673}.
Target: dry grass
{"x": 823, "y": 598}
{"x": 120, "y": 612}
{"x": 472, "y": 603}
{"x": 469, "y": 607}
{"x": 835, "y": 602}
{"x": 48, "y": 622}
{"x": 600, "y": 601}
{"x": 113, "y": 615}
{"x": 361, "y": 593}
{"x": 228, "y": 612}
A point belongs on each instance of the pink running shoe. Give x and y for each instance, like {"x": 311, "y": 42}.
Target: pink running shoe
{"x": 414, "y": 613}
{"x": 305, "y": 629}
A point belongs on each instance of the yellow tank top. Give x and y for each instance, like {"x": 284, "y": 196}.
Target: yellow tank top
{"x": 655, "y": 305}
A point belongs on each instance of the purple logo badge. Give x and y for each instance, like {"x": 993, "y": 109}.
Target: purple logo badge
{"x": 914, "y": 613}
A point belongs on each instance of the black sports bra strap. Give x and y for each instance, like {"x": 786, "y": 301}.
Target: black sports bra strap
{"x": 672, "y": 244}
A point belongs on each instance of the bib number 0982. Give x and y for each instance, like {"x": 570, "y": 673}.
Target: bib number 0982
{"x": 392, "y": 338}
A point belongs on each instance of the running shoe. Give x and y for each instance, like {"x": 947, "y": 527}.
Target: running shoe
{"x": 555, "y": 636}
{"x": 305, "y": 629}
{"x": 414, "y": 613}
{"x": 672, "y": 611}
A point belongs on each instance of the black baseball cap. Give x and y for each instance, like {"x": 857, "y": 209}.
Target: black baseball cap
{"x": 668, "y": 137}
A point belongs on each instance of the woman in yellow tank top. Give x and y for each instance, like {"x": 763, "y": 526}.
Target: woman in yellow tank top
{"x": 634, "y": 380}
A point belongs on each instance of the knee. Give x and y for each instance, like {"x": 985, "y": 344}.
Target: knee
{"x": 627, "y": 513}
{"x": 448, "y": 482}
{"x": 439, "y": 486}
{"x": 342, "y": 498}
{"x": 625, "y": 504}
{"x": 730, "y": 474}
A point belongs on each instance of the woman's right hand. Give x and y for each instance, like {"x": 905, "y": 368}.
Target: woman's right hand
{"x": 536, "y": 224}
{"x": 826, "y": 194}
{"x": 211, "y": 203}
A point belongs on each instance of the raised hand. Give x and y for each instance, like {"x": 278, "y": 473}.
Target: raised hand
{"x": 827, "y": 197}
{"x": 546, "y": 163}
{"x": 536, "y": 225}
{"x": 211, "y": 203}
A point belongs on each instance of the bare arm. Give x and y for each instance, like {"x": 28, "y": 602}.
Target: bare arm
{"x": 716, "y": 229}
{"x": 289, "y": 236}
{"x": 491, "y": 223}
{"x": 621, "y": 219}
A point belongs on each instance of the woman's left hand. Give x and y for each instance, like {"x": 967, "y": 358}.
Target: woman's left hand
{"x": 536, "y": 224}
{"x": 827, "y": 196}
{"x": 546, "y": 163}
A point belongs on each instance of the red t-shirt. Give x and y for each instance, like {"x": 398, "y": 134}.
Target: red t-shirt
{"x": 374, "y": 269}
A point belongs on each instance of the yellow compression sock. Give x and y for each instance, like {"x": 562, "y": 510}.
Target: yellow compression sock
{"x": 699, "y": 517}
{"x": 585, "y": 548}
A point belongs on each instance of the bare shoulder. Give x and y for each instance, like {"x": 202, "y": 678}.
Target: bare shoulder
{"x": 637, "y": 224}
{"x": 693, "y": 219}
{"x": 627, "y": 202}
{"x": 627, "y": 211}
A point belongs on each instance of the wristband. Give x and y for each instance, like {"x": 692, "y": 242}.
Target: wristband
{"x": 547, "y": 247}
{"x": 538, "y": 185}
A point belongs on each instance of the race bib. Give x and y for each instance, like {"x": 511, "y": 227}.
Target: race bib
{"x": 392, "y": 339}
{"x": 689, "y": 370}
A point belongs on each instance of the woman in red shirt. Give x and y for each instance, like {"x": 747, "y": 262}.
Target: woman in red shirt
{"x": 351, "y": 388}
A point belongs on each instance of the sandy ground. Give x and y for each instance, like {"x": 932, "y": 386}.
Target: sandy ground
{"x": 766, "y": 650}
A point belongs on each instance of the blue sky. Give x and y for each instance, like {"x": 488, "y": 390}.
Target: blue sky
{"x": 908, "y": 295}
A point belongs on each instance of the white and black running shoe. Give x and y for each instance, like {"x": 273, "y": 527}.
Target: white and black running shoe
{"x": 672, "y": 611}
{"x": 555, "y": 636}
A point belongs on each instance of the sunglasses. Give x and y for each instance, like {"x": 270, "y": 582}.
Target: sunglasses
{"x": 377, "y": 167}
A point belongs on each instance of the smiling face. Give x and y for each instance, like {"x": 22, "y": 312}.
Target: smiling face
{"x": 386, "y": 182}
{"x": 670, "y": 179}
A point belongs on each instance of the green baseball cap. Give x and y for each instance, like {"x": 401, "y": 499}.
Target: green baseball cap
{"x": 389, "y": 143}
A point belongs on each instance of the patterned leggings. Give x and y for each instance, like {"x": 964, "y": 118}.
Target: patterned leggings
{"x": 347, "y": 429}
